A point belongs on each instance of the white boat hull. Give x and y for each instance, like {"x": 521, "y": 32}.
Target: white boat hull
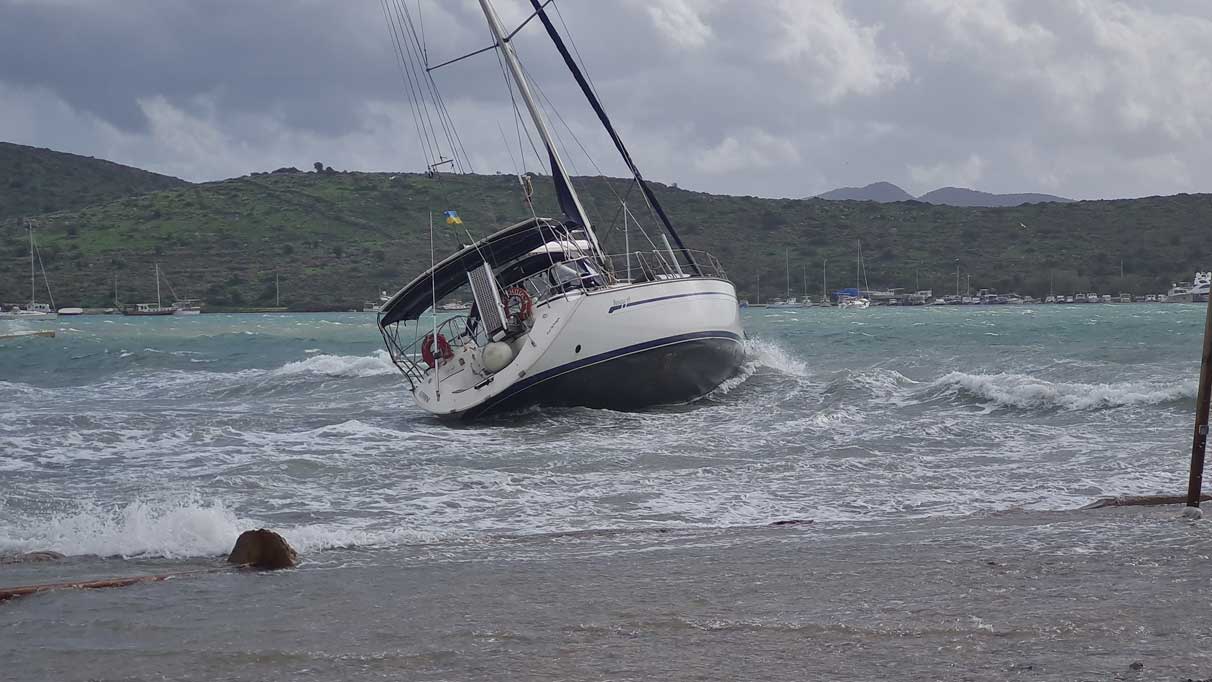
{"x": 628, "y": 346}
{"x": 28, "y": 315}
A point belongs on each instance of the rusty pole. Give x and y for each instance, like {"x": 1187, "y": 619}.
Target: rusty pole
{"x": 1199, "y": 441}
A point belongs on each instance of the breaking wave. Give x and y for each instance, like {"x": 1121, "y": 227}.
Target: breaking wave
{"x": 177, "y": 530}
{"x": 763, "y": 353}
{"x": 376, "y": 364}
{"x": 1025, "y": 392}
{"x": 140, "y": 529}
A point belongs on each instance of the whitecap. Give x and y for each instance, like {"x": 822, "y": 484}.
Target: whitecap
{"x": 377, "y": 364}
{"x": 1027, "y": 392}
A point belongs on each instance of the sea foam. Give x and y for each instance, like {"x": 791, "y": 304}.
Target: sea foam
{"x": 376, "y": 364}
{"x": 1027, "y": 392}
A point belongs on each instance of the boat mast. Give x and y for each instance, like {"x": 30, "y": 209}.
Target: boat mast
{"x": 787, "y": 266}
{"x": 32, "y": 289}
{"x": 598, "y": 109}
{"x": 858, "y": 269}
{"x": 157, "y": 285}
{"x": 562, "y": 180}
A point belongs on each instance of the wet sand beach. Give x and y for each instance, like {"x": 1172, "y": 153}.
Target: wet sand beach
{"x": 1005, "y": 596}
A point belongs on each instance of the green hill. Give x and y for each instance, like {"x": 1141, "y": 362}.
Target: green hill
{"x": 35, "y": 180}
{"x": 338, "y": 238}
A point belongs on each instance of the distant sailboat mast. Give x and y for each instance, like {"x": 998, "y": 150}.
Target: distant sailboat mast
{"x": 32, "y": 288}
{"x": 787, "y": 267}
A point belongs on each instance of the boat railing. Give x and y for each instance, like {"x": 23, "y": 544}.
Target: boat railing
{"x": 560, "y": 278}
{"x": 657, "y": 264}
{"x": 406, "y": 350}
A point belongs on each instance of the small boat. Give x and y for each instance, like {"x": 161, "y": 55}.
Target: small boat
{"x": 70, "y": 311}
{"x": 1125, "y": 298}
{"x": 1093, "y": 298}
{"x": 854, "y": 299}
{"x": 1200, "y": 286}
{"x": 187, "y": 306}
{"x": 452, "y": 306}
{"x": 33, "y": 311}
{"x": 1050, "y": 299}
{"x": 376, "y": 307}
{"x": 1179, "y": 292}
{"x": 149, "y": 309}
{"x": 790, "y": 301}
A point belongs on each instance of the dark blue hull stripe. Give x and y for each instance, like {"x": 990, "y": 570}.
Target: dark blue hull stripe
{"x": 666, "y": 298}
{"x": 599, "y": 358}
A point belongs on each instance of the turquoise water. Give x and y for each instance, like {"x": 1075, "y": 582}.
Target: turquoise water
{"x": 161, "y": 437}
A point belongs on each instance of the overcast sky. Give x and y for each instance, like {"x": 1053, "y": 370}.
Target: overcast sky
{"x": 779, "y": 98}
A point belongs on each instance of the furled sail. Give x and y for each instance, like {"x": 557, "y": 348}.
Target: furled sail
{"x": 618, "y": 142}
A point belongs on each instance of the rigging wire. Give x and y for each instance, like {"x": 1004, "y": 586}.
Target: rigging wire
{"x": 593, "y": 86}
{"x": 519, "y": 123}
{"x": 414, "y": 100}
{"x": 435, "y": 94}
{"x": 413, "y": 58}
{"x": 42, "y": 267}
{"x": 600, "y": 173}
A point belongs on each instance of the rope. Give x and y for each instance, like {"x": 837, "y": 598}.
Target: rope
{"x": 42, "y": 267}
{"x": 406, "y": 79}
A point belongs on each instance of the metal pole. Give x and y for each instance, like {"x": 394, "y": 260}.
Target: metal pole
{"x": 626, "y": 241}
{"x": 1199, "y": 441}
{"x": 540, "y": 121}
{"x": 30, "y": 226}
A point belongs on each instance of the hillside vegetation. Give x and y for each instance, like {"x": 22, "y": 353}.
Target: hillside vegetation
{"x": 336, "y": 239}
{"x": 35, "y": 180}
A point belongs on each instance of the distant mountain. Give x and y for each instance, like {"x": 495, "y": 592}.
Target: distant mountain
{"x": 35, "y": 180}
{"x": 959, "y": 196}
{"x": 883, "y": 192}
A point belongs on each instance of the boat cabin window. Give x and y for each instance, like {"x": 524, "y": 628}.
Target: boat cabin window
{"x": 539, "y": 275}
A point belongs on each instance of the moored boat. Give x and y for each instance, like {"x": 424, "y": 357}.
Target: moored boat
{"x": 149, "y": 309}
{"x": 33, "y": 311}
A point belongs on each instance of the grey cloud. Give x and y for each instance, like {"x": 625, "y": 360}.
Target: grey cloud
{"x": 1088, "y": 98}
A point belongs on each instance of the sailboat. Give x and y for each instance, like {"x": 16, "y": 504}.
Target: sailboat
{"x": 554, "y": 319}
{"x": 149, "y": 309}
{"x": 853, "y": 298}
{"x": 34, "y": 310}
{"x": 790, "y": 301}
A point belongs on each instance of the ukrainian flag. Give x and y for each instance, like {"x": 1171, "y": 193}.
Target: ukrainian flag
{"x": 452, "y": 218}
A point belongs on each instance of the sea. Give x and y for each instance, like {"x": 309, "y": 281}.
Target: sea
{"x": 926, "y": 465}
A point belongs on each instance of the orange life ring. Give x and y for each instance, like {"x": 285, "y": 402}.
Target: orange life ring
{"x": 444, "y": 350}
{"x": 517, "y": 296}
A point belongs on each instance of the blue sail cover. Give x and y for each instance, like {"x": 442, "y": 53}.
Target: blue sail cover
{"x": 852, "y": 292}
